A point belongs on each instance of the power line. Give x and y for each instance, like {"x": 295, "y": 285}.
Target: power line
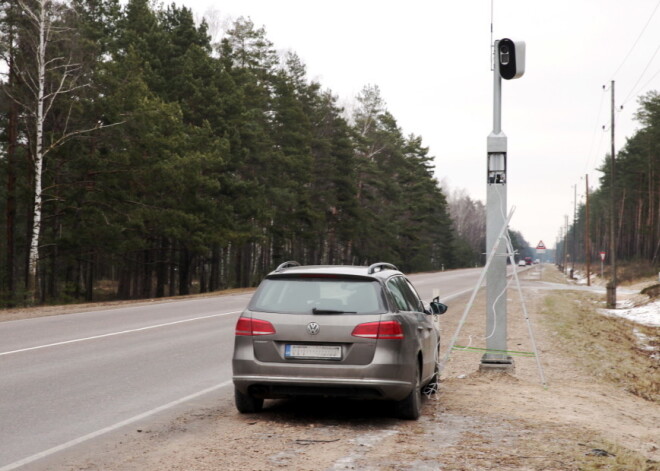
{"x": 647, "y": 83}
{"x": 637, "y": 40}
{"x": 648, "y": 64}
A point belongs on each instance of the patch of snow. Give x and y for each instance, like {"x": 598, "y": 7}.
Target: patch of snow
{"x": 644, "y": 341}
{"x": 625, "y": 304}
{"x": 581, "y": 278}
{"x": 649, "y": 314}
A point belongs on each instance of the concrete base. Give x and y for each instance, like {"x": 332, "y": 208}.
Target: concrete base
{"x": 500, "y": 366}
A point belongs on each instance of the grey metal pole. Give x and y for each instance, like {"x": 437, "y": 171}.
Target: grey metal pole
{"x": 496, "y": 210}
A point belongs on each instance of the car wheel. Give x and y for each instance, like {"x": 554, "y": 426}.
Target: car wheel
{"x": 247, "y": 404}
{"x": 410, "y": 408}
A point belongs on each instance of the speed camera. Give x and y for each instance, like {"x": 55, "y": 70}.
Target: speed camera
{"x": 511, "y": 58}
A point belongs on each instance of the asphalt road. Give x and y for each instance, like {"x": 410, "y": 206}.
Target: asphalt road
{"x": 71, "y": 379}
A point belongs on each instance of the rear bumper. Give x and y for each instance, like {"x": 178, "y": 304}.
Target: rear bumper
{"x": 387, "y": 374}
{"x": 270, "y": 387}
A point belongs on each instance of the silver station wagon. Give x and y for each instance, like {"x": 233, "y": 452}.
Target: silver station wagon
{"x": 336, "y": 331}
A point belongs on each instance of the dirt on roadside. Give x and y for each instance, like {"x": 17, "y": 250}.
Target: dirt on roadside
{"x": 477, "y": 420}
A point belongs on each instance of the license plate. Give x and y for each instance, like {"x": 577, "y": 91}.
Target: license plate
{"x": 323, "y": 352}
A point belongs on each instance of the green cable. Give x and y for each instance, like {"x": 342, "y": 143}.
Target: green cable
{"x": 487, "y": 350}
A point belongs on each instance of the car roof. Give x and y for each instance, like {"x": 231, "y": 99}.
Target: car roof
{"x": 378, "y": 270}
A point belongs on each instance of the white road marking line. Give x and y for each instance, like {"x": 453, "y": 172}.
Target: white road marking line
{"x": 460, "y": 293}
{"x": 89, "y": 436}
{"x": 457, "y": 294}
{"x": 111, "y": 334}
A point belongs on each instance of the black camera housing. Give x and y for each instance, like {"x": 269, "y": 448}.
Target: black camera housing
{"x": 511, "y": 58}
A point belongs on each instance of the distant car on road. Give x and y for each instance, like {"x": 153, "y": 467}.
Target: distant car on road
{"x": 336, "y": 331}
{"x": 522, "y": 263}
{"x": 528, "y": 260}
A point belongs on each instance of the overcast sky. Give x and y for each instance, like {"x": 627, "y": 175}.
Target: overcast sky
{"x": 431, "y": 60}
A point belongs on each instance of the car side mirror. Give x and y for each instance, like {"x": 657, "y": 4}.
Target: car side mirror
{"x": 437, "y": 307}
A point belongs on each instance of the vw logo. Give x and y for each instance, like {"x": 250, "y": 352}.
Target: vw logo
{"x": 313, "y": 328}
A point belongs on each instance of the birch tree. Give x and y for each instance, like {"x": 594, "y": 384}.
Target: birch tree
{"x": 46, "y": 73}
{"x": 39, "y": 16}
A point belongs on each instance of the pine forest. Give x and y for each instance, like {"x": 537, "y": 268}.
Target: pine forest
{"x": 140, "y": 158}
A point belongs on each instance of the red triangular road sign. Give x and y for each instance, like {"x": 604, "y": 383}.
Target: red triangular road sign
{"x": 540, "y": 246}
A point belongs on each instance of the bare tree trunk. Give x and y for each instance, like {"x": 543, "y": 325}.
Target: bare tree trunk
{"x": 172, "y": 267}
{"x": 90, "y": 277}
{"x": 161, "y": 267}
{"x": 10, "y": 210}
{"x": 184, "y": 271}
{"x": 638, "y": 235}
{"x": 33, "y": 257}
{"x": 622, "y": 207}
{"x": 650, "y": 221}
{"x": 214, "y": 281}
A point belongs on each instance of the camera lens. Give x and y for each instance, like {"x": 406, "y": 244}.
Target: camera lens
{"x": 504, "y": 55}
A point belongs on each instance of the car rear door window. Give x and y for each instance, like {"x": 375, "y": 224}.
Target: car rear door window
{"x": 302, "y": 295}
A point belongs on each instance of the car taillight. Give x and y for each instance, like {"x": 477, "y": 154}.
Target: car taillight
{"x": 247, "y": 326}
{"x": 379, "y": 330}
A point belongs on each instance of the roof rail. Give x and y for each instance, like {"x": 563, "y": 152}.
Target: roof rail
{"x": 288, "y": 264}
{"x": 382, "y": 266}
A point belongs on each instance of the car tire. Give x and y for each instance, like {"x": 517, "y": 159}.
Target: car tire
{"x": 247, "y": 404}
{"x": 410, "y": 408}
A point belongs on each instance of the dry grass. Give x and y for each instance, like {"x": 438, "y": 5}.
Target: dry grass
{"x": 606, "y": 346}
{"x": 627, "y": 272}
{"x": 618, "y": 459}
{"x": 552, "y": 275}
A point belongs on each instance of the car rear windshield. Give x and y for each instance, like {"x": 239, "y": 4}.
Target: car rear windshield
{"x": 318, "y": 296}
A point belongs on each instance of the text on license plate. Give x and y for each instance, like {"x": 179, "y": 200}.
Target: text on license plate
{"x": 329, "y": 352}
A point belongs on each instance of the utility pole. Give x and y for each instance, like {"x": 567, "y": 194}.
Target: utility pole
{"x": 611, "y": 287}
{"x": 508, "y": 63}
{"x": 565, "y": 265}
{"x": 574, "y": 251}
{"x": 587, "y": 239}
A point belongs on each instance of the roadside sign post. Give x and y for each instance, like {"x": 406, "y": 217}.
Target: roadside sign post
{"x": 540, "y": 249}
{"x": 602, "y": 259}
{"x": 509, "y": 63}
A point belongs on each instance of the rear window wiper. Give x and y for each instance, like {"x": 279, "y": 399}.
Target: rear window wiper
{"x": 331, "y": 311}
